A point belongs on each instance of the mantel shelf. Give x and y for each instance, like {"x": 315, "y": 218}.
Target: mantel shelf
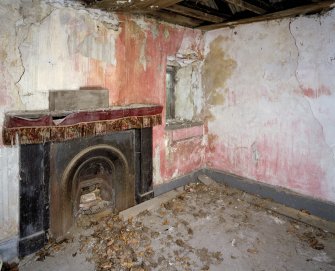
{"x": 34, "y": 127}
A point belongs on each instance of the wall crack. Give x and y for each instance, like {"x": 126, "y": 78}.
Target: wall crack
{"x": 298, "y": 53}
{"x": 306, "y": 98}
{"x": 17, "y": 28}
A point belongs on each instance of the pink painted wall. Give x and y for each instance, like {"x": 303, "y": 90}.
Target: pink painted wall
{"x": 270, "y": 96}
{"x": 71, "y": 48}
{"x": 50, "y": 46}
{"x": 139, "y": 77}
{"x": 268, "y": 89}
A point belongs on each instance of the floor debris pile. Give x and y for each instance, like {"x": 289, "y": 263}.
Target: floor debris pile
{"x": 118, "y": 245}
{"x": 51, "y": 248}
{"x": 313, "y": 237}
{"x": 204, "y": 228}
{"x": 8, "y": 267}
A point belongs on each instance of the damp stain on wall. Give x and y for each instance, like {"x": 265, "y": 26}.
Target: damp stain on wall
{"x": 275, "y": 122}
{"x": 217, "y": 68}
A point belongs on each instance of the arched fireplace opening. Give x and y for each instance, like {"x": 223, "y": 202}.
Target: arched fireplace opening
{"x": 95, "y": 186}
{"x": 96, "y": 179}
{"x": 91, "y": 175}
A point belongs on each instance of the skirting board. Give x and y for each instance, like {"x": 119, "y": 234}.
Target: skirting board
{"x": 32, "y": 243}
{"x": 175, "y": 183}
{"x": 322, "y": 209}
{"x": 8, "y": 250}
{"x": 283, "y": 196}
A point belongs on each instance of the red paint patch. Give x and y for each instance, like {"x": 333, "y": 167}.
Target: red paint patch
{"x": 315, "y": 93}
{"x": 183, "y": 157}
{"x": 275, "y": 161}
{"x": 180, "y": 157}
{"x": 139, "y": 77}
{"x": 181, "y": 134}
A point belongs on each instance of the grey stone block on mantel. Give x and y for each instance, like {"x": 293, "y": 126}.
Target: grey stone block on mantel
{"x": 82, "y": 99}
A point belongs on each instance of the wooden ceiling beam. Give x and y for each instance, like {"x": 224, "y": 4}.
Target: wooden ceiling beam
{"x": 312, "y": 8}
{"x": 194, "y": 13}
{"x": 265, "y": 4}
{"x": 136, "y": 5}
{"x": 176, "y": 19}
{"x": 198, "y": 6}
{"x": 144, "y": 4}
{"x": 120, "y": 5}
{"x": 247, "y": 6}
{"x": 155, "y": 4}
{"x": 159, "y": 4}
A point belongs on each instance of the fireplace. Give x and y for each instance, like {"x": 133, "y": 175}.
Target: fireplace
{"x": 88, "y": 161}
{"x": 96, "y": 172}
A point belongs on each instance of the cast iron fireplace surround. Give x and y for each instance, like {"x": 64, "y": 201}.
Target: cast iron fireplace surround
{"x": 110, "y": 149}
{"x": 48, "y": 188}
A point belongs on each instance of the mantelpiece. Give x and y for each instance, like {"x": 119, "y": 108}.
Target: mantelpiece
{"x": 65, "y": 153}
{"x": 33, "y": 127}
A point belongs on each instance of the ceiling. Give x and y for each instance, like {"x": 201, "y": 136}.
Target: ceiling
{"x": 212, "y": 14}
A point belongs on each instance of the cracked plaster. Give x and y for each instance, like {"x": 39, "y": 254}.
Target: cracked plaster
{"x": 265, "y": 122}
{"x": 320, "y": 105}
{"x": 50, "y": 44}
{"x": 189, "y": 100}
{"x": 275, "y": 123}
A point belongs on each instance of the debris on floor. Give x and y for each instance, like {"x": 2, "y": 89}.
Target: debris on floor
{"x": 205, "y": 228}
{"x": 8, "y": 267}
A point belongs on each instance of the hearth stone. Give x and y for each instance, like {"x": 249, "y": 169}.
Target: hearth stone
{"x": 42, "y": 170}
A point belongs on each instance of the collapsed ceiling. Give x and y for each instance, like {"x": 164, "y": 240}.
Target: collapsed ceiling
{"x": 212, "y": 14}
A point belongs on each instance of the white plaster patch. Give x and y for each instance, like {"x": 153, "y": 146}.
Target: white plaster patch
{"x": 109, "y": 19}
{"x": 142, "y": 22}
{"x": 188, "y": 92}
{"x": 56, "y": 54}
{"x": 277, "y": 220}
{"x": 175, "y": 174}
{"x": 156, "y": 163}
{"x": 9, "y": 192}
{"x": 183, "y": 93}
{"x": 190, "y": 51}
{"x": 47, "y": 62}
{"x": 143, "y": 59}
{"x": 322, "y": 257}
{"x": 97, "y": 47}
{"x": 316, "y": 66}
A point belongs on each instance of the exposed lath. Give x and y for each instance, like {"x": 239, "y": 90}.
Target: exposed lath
{"x": 212, "y": 14}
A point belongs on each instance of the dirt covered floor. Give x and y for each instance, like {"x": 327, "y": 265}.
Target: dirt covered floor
{"x": 204, "y": 228}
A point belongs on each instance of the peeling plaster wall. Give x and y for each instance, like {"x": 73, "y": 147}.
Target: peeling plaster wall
{"x": 270, "y": 96}
{"x": 48, "y": 45}
{"x": 188, "y": 92}
{"x": 9, "y": 189}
